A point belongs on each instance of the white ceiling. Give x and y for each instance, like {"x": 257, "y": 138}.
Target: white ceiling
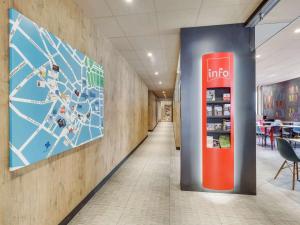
{"x": 279, "y": 56}
{"x": 144, "y": 26}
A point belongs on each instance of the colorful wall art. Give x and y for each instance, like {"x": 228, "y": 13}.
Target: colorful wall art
{"x": 56, "y": 94}
{"x": 282, "y": 100}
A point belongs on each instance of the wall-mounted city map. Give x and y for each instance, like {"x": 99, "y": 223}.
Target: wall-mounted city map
{"x": 56, "y": 96}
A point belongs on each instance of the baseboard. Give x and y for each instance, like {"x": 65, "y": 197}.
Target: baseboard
{"x": 153, "y": 128}
{"x": 73, "y": 213}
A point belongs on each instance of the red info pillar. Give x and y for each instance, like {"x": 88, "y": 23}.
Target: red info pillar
{"x": 218, "y": 121}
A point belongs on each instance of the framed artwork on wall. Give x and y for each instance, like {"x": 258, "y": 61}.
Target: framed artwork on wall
{"x": 56, "y": 98}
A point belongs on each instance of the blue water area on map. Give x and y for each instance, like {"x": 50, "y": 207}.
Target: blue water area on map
{"x": 54, "y": 39}
{"x": 71, "y": 135}
{"x": 95, "y": 120}
{"x": 84, "y": 135}
{"x": 36, "y": 149}
{"x": 74, "y": 65}
{"x": 62, "y": 79}
{"x": 31, "y": 91}
{"x": 95, "y": 132}
{"x": 69, "y": 48}
{"x": 50, "y": 48}
{"x": 56, "y": 108}
{"x": 35, "y": 57}
{"x": 68, "y": 84}
{"x": 32, "y": 32}
{"x": 13, "y": 14}
{"x": 17, "y": 58}
{"x": 15, "y": 160}
{"x": 61, "y": 87}
{"x": 77, "y": 87}
{"x": 18, "y": 136}
{"x": 74, "y": 97}
{"x": 60, "y": 147}
{"x": 63, "y": 67}
{"x": 83, "y": 108}
{"x": 80, "y": 55}
{"x": 19, "y": 76}
{"x": 35, "y": 111}
{"x": 58, "y": 130}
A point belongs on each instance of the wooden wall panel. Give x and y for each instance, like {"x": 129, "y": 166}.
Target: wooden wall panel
{"x": 46, "y": 192}
{"x": 176, "y": 124}
{"x": 152, "y": 111}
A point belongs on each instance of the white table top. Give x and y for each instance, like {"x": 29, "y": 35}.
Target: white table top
{"x": 294, "y": 139}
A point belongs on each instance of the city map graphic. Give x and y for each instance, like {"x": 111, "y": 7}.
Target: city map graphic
{"x": 56, "y": 99}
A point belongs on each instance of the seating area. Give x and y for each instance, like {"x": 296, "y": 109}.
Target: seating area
{"x": 282, "y": 136}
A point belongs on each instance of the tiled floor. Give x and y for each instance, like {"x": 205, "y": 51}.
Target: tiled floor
{"x": 145, "y": 191}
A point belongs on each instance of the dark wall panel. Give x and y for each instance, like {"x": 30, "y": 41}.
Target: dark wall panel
{"x": 194, "y": 43}
{"x": 282, "y": 100}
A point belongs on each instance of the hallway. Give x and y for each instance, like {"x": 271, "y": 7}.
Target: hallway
{"x": 145, "y": 191}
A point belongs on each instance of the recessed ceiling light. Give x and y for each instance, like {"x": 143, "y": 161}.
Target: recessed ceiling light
{"x": 149, "y": 54}
{"x": 128, "y": 1}
{"x": 159, "y": 82}
{"x": 258, "y": 56}
{"x": 297, "y": 31}
{"x": 156, "y": 73}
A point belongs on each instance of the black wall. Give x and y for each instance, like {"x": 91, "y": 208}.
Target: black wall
{"x": 282, "y": 100}
{"x": 194, "y": 43}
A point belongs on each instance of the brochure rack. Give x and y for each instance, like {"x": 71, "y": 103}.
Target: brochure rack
{"x": 217, "y": 121}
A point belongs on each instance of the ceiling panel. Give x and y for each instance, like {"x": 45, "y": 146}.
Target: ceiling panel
{"x": 176, "y": 19}
{"x": 170, "y": 41}
{"x": 109, "y": 27}
{"x": 136, "y": 7}
{"x": 138, "y": 24}
{"x": 129, "y": 54}
{"x": 121, "y": 43}
{"x": 147, "y": 43}
{"x": 144, "y": 26}
{"x": 221, "y": 15}
{"x": 176, "y": 5}
{"x": 156, "y": 59}
{"x": 221, "y": 3}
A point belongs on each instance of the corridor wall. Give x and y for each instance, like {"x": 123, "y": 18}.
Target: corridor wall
{"x": 152, "y": 111}
{"x": 46, "y": 192}
{"x": 196, "y": 42}
{"x": 176, "y": 112}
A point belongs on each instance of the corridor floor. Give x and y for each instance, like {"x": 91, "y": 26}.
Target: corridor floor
{"x": 145, "y": 191}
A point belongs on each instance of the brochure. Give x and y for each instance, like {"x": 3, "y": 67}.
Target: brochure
{"x": 209, "y": 110}
{"x": 226, "y": 109}
{"x": 210, "y": 141}
{"x": 226, "y": 97}
{"x": 210, "y": 95}
{"x": 224, "y": 141}
{"x": 218, "y": 110}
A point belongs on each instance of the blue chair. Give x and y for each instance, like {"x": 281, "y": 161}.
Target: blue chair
{"x": 260, "y": 134}
{"x": 286, "y": 150}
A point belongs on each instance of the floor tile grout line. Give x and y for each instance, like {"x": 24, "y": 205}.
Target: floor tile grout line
{"x": 132, "y": 191}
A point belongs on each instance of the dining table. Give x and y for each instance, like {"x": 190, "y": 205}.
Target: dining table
{"x": 268, "y": 129}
